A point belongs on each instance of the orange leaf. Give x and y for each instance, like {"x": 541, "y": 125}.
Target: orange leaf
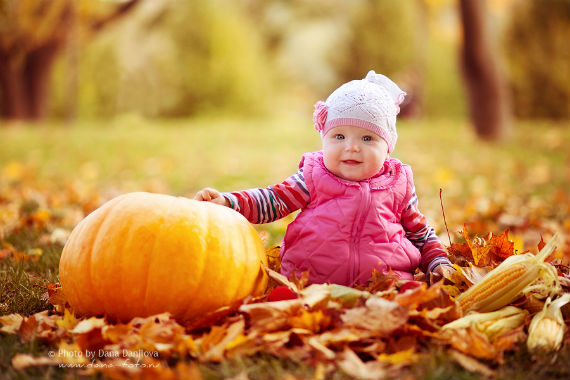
{"x": 39, "y": 326}
{"x": 541, "y": 244}
{"x": 420, "y": 295}
{"x": 219, "y": 339}
{"x": 56, "y": 295}
{"x": 481, "y": 254}
{"x": 472, "y": 342}
{"x": 503, "y": 246}
{"x": 460, "y": 250}
{"x": 5, "y": 253}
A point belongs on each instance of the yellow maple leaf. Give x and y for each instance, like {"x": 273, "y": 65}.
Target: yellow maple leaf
{"x": 408, "y": 356}
{"x": 315, "y": 321}
{"x": 68, "y": 322}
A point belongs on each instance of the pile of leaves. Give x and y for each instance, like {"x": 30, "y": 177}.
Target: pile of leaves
{"x": 380, "y": 331}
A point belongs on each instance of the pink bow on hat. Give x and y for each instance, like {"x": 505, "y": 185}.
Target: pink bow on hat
{"x": 320, "y": 115}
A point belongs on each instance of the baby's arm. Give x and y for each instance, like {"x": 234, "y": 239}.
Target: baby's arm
{"x": 268, "y": 204}
{"x": 211, "y": 195}
{"x": 434, "y": 257}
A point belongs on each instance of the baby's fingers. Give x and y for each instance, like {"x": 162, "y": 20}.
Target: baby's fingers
{"x": 205, "y": 195}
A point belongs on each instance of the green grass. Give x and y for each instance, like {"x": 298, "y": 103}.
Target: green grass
{"x": 526, "y": 175}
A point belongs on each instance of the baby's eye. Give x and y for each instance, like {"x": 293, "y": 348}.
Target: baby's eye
{"x": 339, "y": 137}
{"x": 367, "y": 138}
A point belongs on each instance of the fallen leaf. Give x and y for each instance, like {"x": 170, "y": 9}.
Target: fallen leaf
{"x": 87, "y": 325}
{"x": 474, "y": 274}
{"x": 472, "y": 342}
{"x": 503, "y": 246}
{"x": 271, "y": 316}
{"x": 348, "y": 296}
{"x": 350, "y": 363}
{"x": 378, "y": 315}
{"x": 281, "y": 279}
{"x": 23, "y": 361}
{"x": 70, "y": 353}
{"x": 509, "y": 340}
{"x": 216, "y": 342}
{"x": 39, "y": 326}
{"x": 322, "y": 349}
{"x": 316, "y": 295}
{"x": 404, "y": 357}
{"x": 471, "y": 364}
{"x": 314, "y": 321}
{"x": 281, "y": 293}
{"x": 56, "y": 295}
{"x": 68, "y": 322}
{"x": 5, "y": 253}
{"x": 412, "y": 298}
{"x": 11, "y": 323}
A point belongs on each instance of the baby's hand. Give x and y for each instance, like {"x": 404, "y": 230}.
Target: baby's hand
{"x": 439, "y": 271}
{"x": 211, "y": 195}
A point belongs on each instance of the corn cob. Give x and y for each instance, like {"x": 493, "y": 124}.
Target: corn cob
{"x": 507, "y": 281}
{"x": 547, "y": 327}
{"x": 492, "y": 324}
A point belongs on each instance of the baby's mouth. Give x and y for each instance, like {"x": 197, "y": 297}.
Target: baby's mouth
{"x": 351, "y": 162}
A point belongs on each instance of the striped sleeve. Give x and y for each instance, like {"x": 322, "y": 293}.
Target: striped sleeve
{"x": 423, "y": 236}
{"x": 265, "y": 205}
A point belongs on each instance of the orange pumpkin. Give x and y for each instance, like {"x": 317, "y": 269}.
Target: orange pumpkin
{"x": 141, "y": 254}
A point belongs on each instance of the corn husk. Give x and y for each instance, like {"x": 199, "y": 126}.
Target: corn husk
{"x": 492, "y": 324}
{"x": 546, "y": 330}
{"x": 515, "y": 276}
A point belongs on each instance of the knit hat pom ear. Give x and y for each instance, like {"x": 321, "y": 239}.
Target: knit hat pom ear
{"x": 395, "y": 92}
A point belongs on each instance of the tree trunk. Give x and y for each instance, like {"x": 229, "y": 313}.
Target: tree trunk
{"x": 24, "y": 83}
{"x": 37, "y": 71}
{"x": 488, "y": 99}
{"x": 12, "y": 92}
{"x": 25, "y": 66}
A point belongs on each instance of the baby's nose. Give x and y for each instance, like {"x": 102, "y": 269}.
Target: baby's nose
{"x": 352, "y": 145}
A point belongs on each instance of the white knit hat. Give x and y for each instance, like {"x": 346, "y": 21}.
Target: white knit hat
{"x": 371, "y": 103}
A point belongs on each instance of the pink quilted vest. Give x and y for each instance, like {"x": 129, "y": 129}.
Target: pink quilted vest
{"x": 349, "y": 227}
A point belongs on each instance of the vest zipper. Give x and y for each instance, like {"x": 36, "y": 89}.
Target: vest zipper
{"x": 357, "y": 230}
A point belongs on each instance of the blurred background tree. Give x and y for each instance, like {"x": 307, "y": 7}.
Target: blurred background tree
{"x": 489, "y": 101}
{"x": 32, "y": 35}
{"x": 537, "y": 49}
{"x": 173, "y": 58}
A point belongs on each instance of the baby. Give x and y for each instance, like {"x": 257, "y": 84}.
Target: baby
{"x": 359, "y": 209}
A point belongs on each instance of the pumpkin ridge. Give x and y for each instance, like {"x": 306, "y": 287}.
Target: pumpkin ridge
{"x": 257, "y": 262}
{"x": 123, "y": 267}
{"x": 245, "y": 264}
{"x": 105, "y": 219}
{"x": 89, "y": 257}
{"x": 200, "y": 276}
{"x": 65, "y": 271}
{"x": 157, "y": 236}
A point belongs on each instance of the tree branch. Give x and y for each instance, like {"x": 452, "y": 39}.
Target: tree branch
{"x": 117, "y": 14}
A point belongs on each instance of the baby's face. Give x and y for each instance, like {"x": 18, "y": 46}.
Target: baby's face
{"x": 353, "y": 153}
